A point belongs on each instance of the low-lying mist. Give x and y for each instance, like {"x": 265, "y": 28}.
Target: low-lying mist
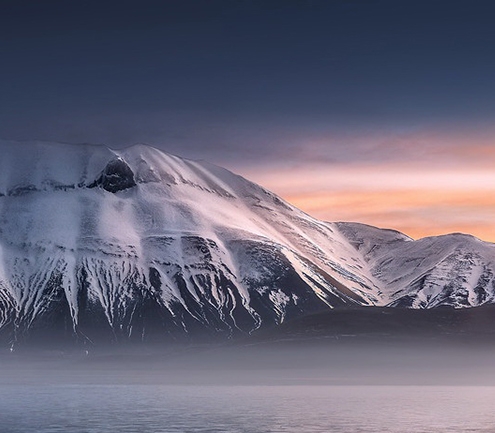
{"x": 344, "y": 361}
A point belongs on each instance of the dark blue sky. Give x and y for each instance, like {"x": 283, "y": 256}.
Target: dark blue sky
{"x": 223, "y": 79}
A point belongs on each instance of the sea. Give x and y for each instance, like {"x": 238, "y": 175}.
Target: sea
{"x": 162, "y": 408}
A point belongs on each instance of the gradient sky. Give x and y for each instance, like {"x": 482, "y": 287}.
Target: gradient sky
{"x": 374, "y": 111}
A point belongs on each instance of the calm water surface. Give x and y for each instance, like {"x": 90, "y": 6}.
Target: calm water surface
{"x": 246, "y": 409}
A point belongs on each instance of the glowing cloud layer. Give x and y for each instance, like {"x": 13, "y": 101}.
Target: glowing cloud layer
{"x": 427, "y": 185}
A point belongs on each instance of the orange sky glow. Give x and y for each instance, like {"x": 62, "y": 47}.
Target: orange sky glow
{"x": 433, "y": 190}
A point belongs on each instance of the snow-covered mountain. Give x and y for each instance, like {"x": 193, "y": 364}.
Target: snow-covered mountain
{"x": 455, "y": 270}
{"x": 140, "y": 244}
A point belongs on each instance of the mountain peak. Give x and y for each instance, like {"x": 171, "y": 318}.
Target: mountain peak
{"x": 144, "y": 243}
{"x": 139, "y": 244}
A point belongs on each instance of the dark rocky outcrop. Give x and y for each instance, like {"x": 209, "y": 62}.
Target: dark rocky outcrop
{"x": 116, "y": 176}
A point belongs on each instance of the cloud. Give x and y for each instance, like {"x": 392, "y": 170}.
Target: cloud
{"x": 418, "y": 213}
{"x": 418, "y": 199}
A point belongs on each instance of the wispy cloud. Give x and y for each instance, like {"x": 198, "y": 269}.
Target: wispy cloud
{"x": 423, "y": 184}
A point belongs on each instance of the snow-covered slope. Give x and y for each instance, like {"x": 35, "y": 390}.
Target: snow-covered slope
{"x": 140, "y": 242}
{"x": 456, "y": 269}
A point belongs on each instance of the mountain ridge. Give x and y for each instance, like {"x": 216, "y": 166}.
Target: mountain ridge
{"x": 137, "y": 244}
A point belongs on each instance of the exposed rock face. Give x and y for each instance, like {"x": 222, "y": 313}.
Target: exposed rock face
{"x": 116, "y": 176}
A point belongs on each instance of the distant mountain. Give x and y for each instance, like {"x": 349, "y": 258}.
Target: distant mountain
{"x": 136, "y": 244}
{"x": 455, "y": 270}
